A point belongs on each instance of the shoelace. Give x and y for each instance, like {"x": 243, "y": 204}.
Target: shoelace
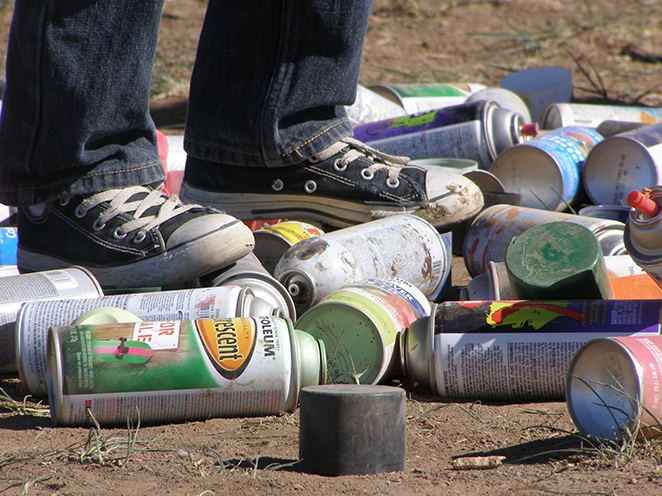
{"x": 119, "y": 203}
{"x": 393, "y": 163}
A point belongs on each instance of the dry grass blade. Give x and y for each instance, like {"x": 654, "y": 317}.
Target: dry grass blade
{"x": 22, "y": 408}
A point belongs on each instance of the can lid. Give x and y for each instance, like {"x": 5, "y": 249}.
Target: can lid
{"x": 311, "y": 359}
{"x": 416, "y": 351}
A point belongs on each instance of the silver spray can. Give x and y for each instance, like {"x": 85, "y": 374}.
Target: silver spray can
{"x": 623, "y": 163}
{"x": 583, "y": 114}
{"x": 249, "y": 273}
{"x": 491, "y": 232}
{"x": 643, "y": 237}
{"x": 35, "y": 318}
{"x": 477, "y": 131}
{"x": 402, "y": 246}
{"x": 74, "y": 282}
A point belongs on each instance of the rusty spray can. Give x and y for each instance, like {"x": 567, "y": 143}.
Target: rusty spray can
{"x": 547, "y": 170}
{"x": 403, "y": 246}
{"x": 170, "y": 371}
{"x": 624, "y": 162}
{"x": 477, "y": 131}
{"x": 35, "y": 318}
{"x": 71, "y": 283}
{"x": 491, "y": 232}
{"x": 514, "y": 349}
{"x": 359, "y": 325}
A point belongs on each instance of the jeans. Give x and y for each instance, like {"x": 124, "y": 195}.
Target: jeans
{"x": 268, "y": 89}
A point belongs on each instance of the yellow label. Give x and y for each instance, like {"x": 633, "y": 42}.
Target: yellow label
{"x": 294, "y": 231}
{"x": 229, "y": 343}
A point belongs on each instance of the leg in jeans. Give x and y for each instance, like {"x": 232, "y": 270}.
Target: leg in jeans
{"x": 76, "y": 141}
{"x": 268, "y": 90}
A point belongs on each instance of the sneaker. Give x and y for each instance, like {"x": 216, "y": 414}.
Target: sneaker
{"x": 348, "y": 183}
{"x": 131, "y": 237}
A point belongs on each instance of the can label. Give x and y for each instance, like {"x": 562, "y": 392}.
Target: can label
{"x": 170, "y": 370}
{"x": 522, "y": 349}
{"x": 8, "y": 245}
{"x": 423, "y": 97}
{"x": 589, "y": 115}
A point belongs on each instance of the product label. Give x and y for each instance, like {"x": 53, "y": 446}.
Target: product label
{"x": 229, "y": 344}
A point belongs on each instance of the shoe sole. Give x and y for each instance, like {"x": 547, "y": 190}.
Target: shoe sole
{"x": 178, "y": 266}
{"x": 453, "y": 208}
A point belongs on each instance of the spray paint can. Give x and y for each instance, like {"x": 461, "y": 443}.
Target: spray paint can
{"x": 491, "y": 232}
{"x": 249, "y": 273}
{"x": 415, "y": 98}
{"x": 71, "y": 283}
{"x": 613, "y": 387}
{"x": 35, "y": 318}
{"x": 403, "y": 246}
{"x": 577, "y": 114}
{"x": 370, "y": 106}
{"x": 515, "y": 350}
{"x": 477, "y": 131}
{"x": 547, "y": 170}
{"x": 272, "y": 240}
{"x": 171, "y": 371}
{"x": 359, "y": 325}
{"x": 622, "y": 163}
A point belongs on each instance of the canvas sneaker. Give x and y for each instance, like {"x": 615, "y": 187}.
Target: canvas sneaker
{"x": 348, "y": 183}
{"x": 130, "y": 237}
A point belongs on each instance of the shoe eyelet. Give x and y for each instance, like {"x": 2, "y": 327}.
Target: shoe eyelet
{"x": 277, "y": 185}
{"x": 392, "y": 184}
{"x": 64, "y": 201}
{"x": 338, "y": 166}
{"x": 139, "y": 238}
{"x": 79, "y": 212}
{"x": 98, "y": 227}
{"x": 118, "y": 234}
{"x": 314, "y": 159}
{"x": 367, "y": 175}
{"x": 310, "y": 186}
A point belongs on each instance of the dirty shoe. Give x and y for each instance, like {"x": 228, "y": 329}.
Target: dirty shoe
{"x": 131, "y": 237}
{"x": 348, "y": 183}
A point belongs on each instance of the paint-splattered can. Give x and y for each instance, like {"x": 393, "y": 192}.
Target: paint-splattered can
{"x": 623, "y": 163}
{"x": 415, "y": 98}
{"x": 272, "y": 240}
{"x": 514, "y": 349}
{"x": 370, "y": 106}
{"x": 35, "y": 318}
{"x": 359, "y": 325}
{"x": 72, "y": 283}
{"x": 614, "y": 387}
{"x": 171, "y": 371}
{"x": 403, "y": 246}
{"x": 491, "y": 232}
{"x": 249, "y": 273}
{"x": 547, "y": 170}
{"x": 577, "y": 114}
{"x": 477, "y": 131}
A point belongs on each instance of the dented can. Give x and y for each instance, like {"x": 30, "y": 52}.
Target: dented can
{"x": 359, "y": 325}
{"x": 402, "y": 246}
{"x": 272, "y": 240}
{"x": 491, "y": 232}
{"x": 71, "y": 283}
{"x": 35, "y": 318}
{"x": 171, "y": 371}
{"x": 514, "y": 350}
{"x": 477, "y": 131}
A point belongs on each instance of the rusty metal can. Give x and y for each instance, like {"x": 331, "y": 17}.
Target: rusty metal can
{"x": 589, "y": 115}
{"x": 180, "y": 370}
{"x": 71, "y": 283}
{"x": 514, "y": 349}
{"x": 402, "y": 246}
{"x": 248, "y": 272}
{"x": 546, "y": 171}
{"x": 613, "y": 387}
{"x": 491, "y": 232}
{"x": 272, "y": 240}
{"x": 623, "y": 163}
{"x": 35, "y": 318}
{"x": 477, "y": 131}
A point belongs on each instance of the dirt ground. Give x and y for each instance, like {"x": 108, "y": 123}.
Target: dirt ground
{"x": 613, "y": 49}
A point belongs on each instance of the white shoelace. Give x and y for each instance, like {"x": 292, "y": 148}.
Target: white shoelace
{"x": 119, "y": 204}
{"x": 393, "y": 163}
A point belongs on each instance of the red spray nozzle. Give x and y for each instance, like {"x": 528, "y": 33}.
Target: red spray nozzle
{"x": 643, "y": 203}
{"x": 530, "y": 130}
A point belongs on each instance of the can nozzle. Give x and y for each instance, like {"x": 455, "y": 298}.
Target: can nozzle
{"x": 530, "y": 130}
{"x": 643, "y": 203}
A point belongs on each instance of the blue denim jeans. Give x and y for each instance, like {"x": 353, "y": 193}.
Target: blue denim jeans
{"x": 268, "y": 89}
